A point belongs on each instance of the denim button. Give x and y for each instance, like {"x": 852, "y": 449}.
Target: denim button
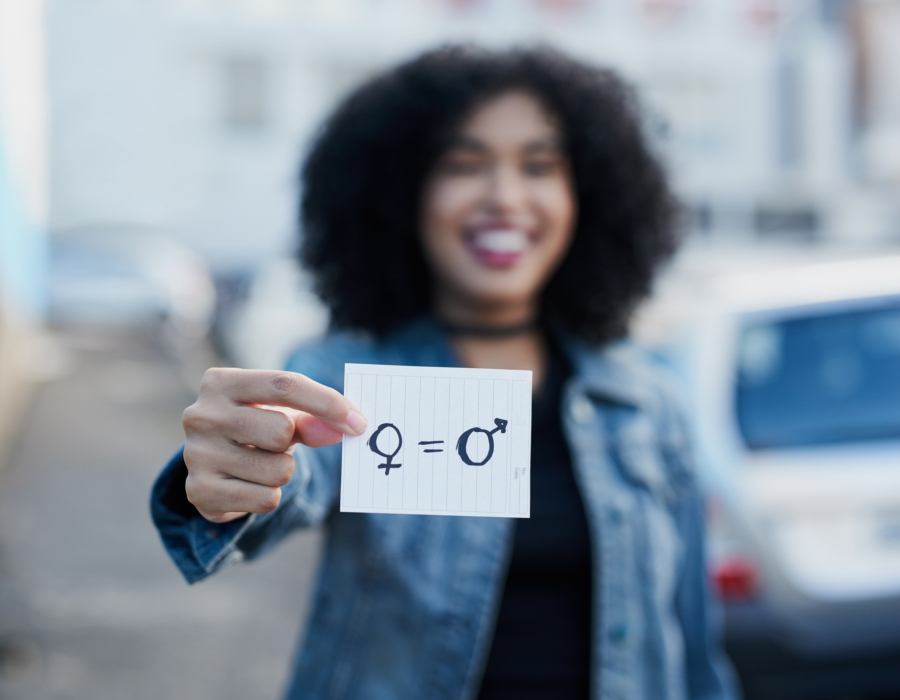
{"x": 212, "y": 533}
{"x": 582, "y": 410}
{"x": 618, "y": 632}
{"x": 615, "y": 515}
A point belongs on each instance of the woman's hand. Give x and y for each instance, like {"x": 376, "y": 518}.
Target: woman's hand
{"x": 241, "y": 432}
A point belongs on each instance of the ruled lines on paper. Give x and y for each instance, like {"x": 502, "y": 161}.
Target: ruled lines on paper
{"x": 440, "y": 441}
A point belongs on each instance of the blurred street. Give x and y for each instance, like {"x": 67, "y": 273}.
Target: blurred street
{"x": 90, "y": 605}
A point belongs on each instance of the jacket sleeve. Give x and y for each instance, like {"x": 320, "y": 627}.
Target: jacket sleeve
{"x": 708, "y": 670}
{"x": 709, "y": 673}
{"x": 200, "y": 548}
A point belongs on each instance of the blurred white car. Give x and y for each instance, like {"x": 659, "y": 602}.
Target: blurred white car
{"x": 794, "y": 378}
{"x": 129, "y": 277}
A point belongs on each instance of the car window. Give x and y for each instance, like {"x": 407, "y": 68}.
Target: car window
{"x": 822, "y": 378}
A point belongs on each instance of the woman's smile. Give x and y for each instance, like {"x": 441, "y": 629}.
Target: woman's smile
{"x": 498, "y": 245}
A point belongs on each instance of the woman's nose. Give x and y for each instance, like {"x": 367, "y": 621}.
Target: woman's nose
{"x": 507, "y": 189}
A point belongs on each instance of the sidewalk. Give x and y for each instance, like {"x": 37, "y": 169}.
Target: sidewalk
{"x": 16, "y": 380}
{"x": 90, "y": 606}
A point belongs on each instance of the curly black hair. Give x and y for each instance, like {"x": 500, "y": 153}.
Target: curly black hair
{"x": 364, "y": 177}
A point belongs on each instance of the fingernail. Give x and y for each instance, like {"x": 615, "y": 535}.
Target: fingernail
{"x": 356, "y": 422}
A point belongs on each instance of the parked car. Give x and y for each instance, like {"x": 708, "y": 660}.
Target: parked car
{"x": 793, "y": 375}
{"x": 127, "y": 277}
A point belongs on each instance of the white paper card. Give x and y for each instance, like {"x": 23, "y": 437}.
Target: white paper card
{"x": 440, "y": 441}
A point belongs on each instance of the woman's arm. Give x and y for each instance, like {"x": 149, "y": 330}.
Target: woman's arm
{"x": 247, "y": 473}
{"x": 709, "y": 673}
{"x": 200, "y": 548}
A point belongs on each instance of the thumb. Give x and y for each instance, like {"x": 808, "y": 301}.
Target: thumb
{"x": 313, "y": 432}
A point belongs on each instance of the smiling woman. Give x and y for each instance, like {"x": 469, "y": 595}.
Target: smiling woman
{"x": 490, "y": 210}
{"x": 575, "y": 149}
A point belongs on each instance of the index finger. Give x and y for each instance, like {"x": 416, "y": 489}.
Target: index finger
{"x": 297, "y": 391}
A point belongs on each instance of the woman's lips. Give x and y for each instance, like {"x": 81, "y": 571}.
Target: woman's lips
{"x": 498, "y": 247}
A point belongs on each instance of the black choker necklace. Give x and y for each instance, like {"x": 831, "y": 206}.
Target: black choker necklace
{"x": 490, "y": 331}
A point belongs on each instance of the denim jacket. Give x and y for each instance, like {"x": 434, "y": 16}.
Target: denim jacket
{"x": 405, "y": 604}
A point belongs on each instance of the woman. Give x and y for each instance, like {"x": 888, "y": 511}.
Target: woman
{"x": 486, "y": 210}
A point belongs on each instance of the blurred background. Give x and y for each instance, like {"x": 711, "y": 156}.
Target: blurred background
{"x": 148, "y": 160}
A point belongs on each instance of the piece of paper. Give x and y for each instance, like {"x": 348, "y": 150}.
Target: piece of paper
{"x": 440, "y": 441}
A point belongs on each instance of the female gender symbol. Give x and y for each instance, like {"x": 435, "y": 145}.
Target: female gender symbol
{"x": 464, "y": 439}
{"x": 372, "y": 443}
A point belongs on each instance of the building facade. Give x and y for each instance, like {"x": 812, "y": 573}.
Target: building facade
{"x": 192, "y": 116}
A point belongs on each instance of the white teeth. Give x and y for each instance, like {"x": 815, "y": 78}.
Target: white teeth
{"x": 502, "y": 241}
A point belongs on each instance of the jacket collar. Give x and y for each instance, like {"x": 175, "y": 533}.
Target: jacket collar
{"x": 611, "y": 373}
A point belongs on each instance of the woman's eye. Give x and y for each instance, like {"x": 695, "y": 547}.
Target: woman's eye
{"x": 462, "y": 167}
{"x": 537, "y": 168}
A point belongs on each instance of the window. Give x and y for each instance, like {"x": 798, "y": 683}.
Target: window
{"x": 824, "y": 378}
{"x": 245, "y": 93}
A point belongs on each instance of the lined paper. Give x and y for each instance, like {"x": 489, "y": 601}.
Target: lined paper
{"x": 440, "y": 441}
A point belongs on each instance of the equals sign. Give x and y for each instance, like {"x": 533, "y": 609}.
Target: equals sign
{"x": 432, "y": 442}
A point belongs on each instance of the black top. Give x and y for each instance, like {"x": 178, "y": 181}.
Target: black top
{"x": 542, "y": 642}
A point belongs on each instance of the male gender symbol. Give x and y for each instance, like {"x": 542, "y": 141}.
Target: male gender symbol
{"x": 372, "y": 443}
{"x": 464, "y": 439}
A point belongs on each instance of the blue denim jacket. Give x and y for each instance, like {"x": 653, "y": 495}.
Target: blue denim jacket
{"x": 405, "y": 605}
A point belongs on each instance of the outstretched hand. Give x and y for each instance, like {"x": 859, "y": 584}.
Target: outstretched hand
{"x": 242, "y": 429}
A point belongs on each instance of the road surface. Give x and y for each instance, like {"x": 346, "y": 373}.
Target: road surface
{"x": 90, "y": 605}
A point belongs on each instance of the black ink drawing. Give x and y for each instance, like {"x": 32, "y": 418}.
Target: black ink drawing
{"x": 464, "y": 439}
{"x": 372, "y": 442}
{"x": 461, "y": 444}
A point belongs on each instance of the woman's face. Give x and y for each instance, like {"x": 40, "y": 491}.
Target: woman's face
{"x": 498, "y": 211}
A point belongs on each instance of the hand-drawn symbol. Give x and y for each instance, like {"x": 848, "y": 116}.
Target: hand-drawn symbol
{"x": 464, "y": 439}
{"x": 432, "y": 442}
{"x": 372, "y": 443}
